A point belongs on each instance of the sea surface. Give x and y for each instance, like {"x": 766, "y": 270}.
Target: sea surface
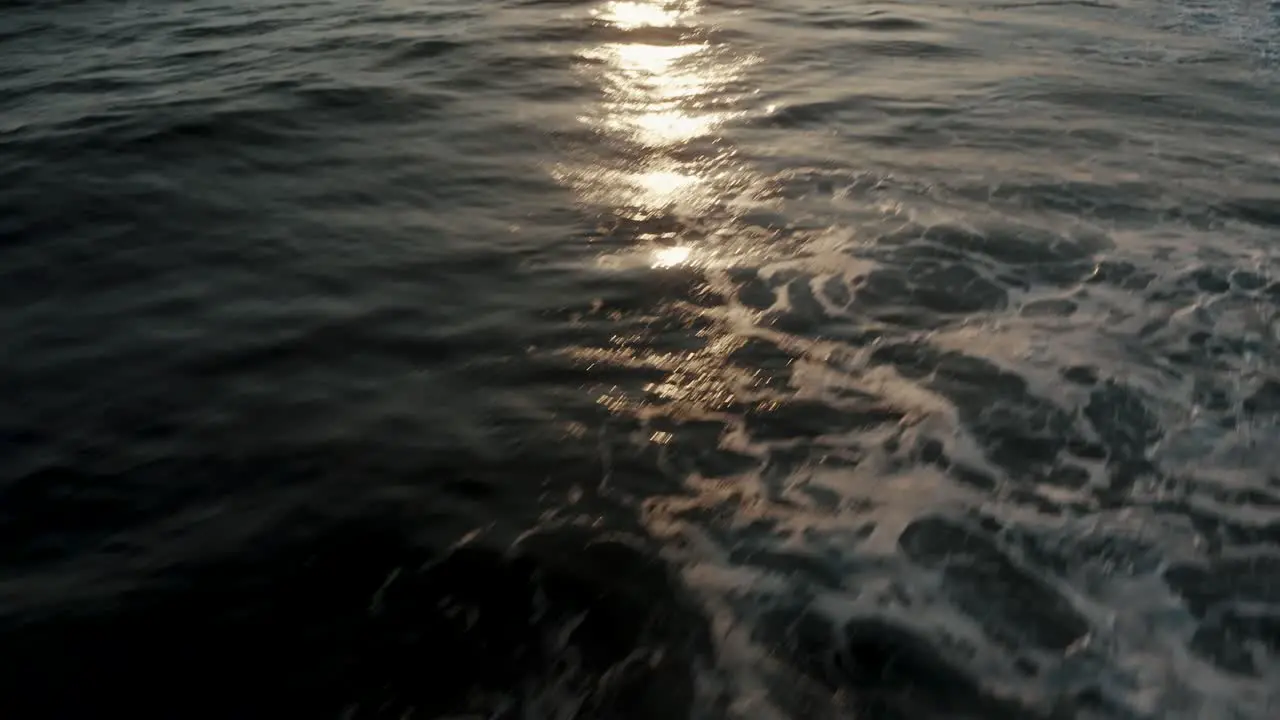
{"x": 640, "y": 359}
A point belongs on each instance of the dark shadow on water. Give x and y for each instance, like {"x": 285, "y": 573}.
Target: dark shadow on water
{"x": 360, "y": 623}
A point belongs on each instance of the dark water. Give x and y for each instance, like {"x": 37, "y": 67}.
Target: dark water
{"x": 558, "y": 359}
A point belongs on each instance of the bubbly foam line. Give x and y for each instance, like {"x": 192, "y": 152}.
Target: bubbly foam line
{"x": 1152, "y": 672}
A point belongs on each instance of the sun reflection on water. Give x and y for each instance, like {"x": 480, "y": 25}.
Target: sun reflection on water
{"x": 658, "y": 98}
{"x": 652, "y": 68}
{"x": 655, "y": 93}
{"x": 633, "y": 15}
{"x": 670, "y": 257}
{"x": 659, "y": 166}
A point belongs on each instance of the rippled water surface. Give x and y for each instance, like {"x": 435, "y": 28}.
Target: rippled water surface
{"x": 640, "y": 359}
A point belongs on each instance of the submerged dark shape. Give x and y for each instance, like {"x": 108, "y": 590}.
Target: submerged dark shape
{"x": 1012, "y": 604}
{"x": 1233, "y": 639}
{"x": 1021, "y": 432}
{"x": 1123, "y": 421}
{"x": 879, "y": 669}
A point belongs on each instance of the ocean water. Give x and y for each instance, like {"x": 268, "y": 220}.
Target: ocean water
{"x": 640, "y": 359}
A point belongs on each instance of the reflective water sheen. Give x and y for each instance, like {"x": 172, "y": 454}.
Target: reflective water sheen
{"x": 640, "y": 359}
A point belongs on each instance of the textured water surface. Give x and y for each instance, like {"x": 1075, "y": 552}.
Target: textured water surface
{"x": 640, "y": 359}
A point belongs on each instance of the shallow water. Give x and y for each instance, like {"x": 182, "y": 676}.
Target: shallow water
{"x": 558, "y": 359}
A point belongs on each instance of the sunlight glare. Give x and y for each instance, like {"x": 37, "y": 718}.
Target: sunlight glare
{"x": 670, "y": 257}
{"x": 651, "y": 60}
{"x": 633, "y": 15}
{"x": 663, "y": 128}
{"x": 663, "y": 186}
